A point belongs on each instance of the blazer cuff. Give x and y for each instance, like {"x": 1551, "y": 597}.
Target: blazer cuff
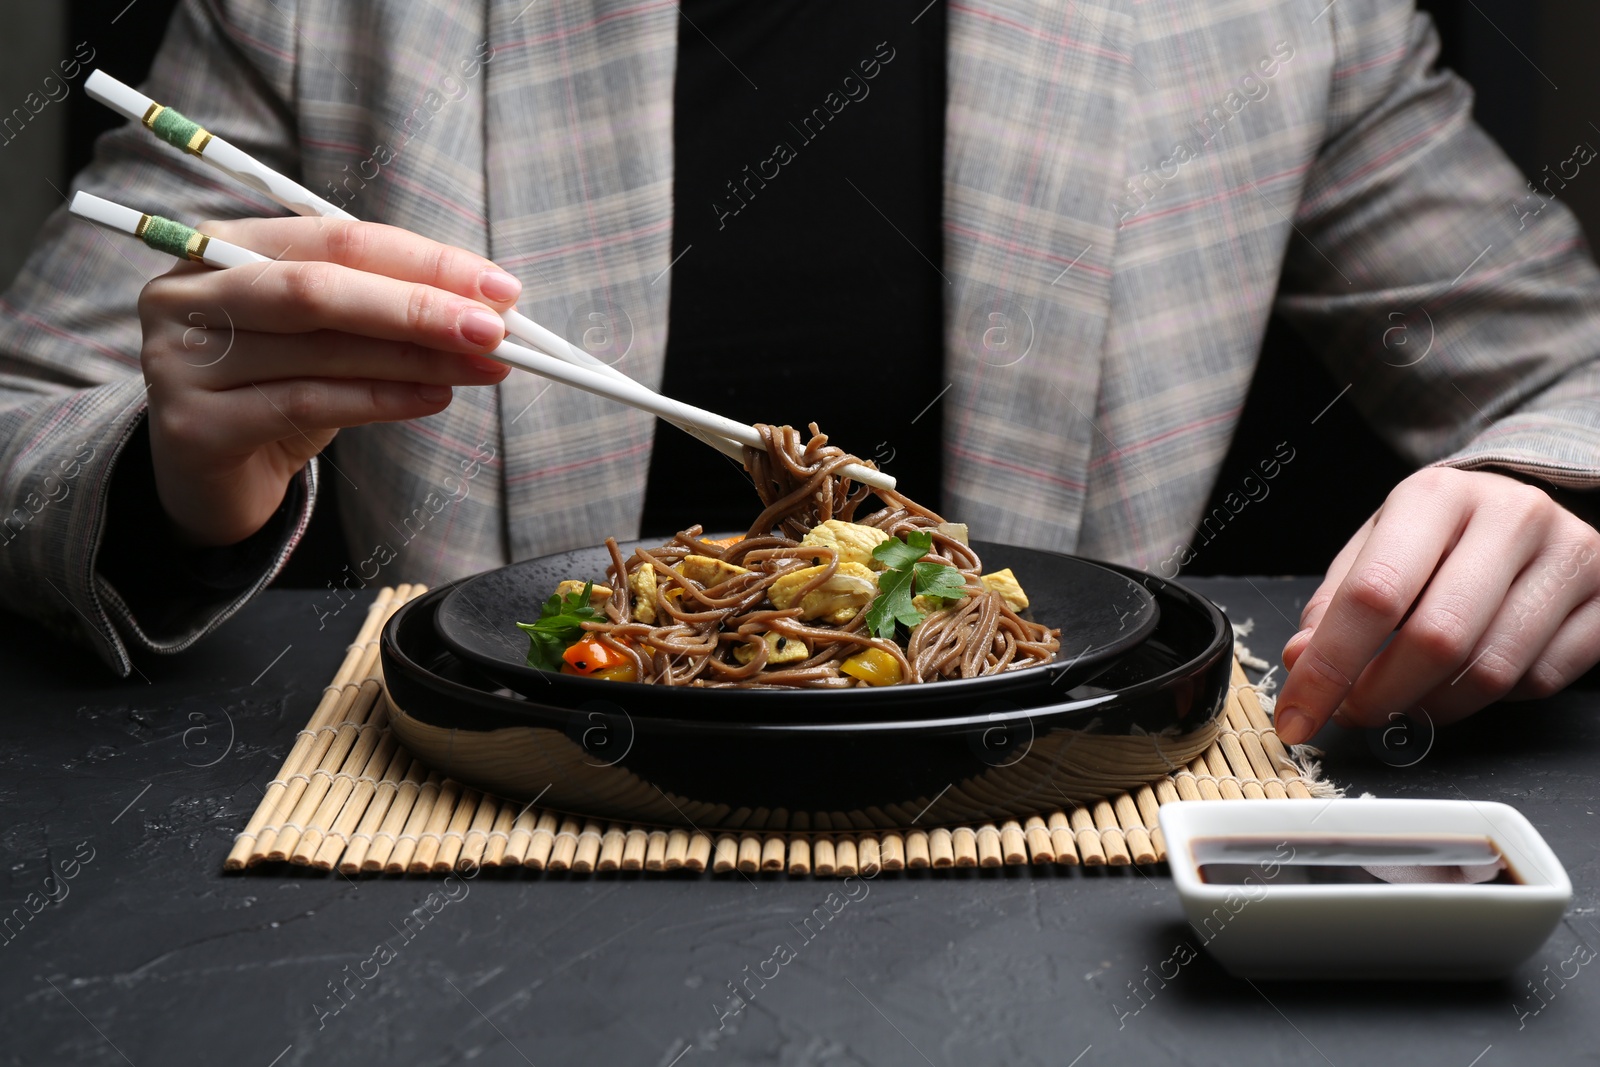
{"x": 1547, "y": 447}
{"x": 210, "y": 586}
{"x": 1542, "y": 452}
{"x": 1584, "y": 503}
{"x": 165, "y": 595}
{"x": 58, "y": 455}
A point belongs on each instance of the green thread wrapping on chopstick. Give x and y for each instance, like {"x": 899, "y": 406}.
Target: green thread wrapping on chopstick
{"x": 167, "y": 236}
{"x": 176, "y": 130}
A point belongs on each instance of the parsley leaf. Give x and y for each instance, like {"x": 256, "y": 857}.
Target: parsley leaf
{"x": 560, "y": 624}
{"x": 898, "y": 555}
{"x": 907, "y": 577}
{"x": 935, "y": 579}
{"x": 892, "y": 604}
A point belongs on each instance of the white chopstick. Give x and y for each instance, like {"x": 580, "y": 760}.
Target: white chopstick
{"x": 183, "y": 133}
{"x": 183, "y": 241}
{"x": 163, "y": 234}
{"x": 179, "y": 131}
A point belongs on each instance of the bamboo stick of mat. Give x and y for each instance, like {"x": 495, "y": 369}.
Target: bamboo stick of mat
{"x": 377, "y": 614}
{"x": 381, "y": 845}
{"x": 338, "y": 813}
{"x": 1277, "y": 752}
{"x": 500, "y": 836}
{"x": 634, "y": 848}
{"x": 1250, "y": 741}
{"x": 368, "y": 805}
{"x": 988, "y": 842}
{"x": 332, "y": 783}
{"x": 354, "y": 734}
{"x": 349, "y": 796}
{"x": 655, "y": 853}
{"x": 333, "y": 736}
{"x": 1037, "y": 836}
{"x": 404, "y": 845}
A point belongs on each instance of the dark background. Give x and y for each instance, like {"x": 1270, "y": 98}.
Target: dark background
{"x": 1531, "y": 64}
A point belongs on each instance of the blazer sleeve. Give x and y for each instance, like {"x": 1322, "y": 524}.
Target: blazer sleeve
{"x": 1458, "y": 300}
{"x": 72, "y": 397}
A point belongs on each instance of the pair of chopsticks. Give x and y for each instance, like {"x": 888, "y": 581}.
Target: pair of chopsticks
{"x": 551, "y": 356}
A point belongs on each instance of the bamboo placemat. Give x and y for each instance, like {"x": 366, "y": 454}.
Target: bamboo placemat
{"x": 348, "y": 796}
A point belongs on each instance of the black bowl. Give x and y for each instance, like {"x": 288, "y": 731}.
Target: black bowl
{"x": 1152, "y": 709}
{"x": 1101, "y": 614}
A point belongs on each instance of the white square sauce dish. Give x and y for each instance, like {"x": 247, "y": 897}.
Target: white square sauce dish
{"x": 1375, "y": 889}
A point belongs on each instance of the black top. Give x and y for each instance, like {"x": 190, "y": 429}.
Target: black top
{"x": 809, "y": 140}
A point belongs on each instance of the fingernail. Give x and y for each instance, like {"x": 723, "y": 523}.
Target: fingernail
{"x": 1296, "y": 645}
{"x": 498, "y": 285}
{"x": 482, "y": 328}
{"x": 1294, "y": 725}
{"x": 434, "y": 394}
{"x": 485, "y": 365}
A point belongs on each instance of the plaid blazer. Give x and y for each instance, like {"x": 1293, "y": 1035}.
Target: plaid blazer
{"x": 1129, "y": 191}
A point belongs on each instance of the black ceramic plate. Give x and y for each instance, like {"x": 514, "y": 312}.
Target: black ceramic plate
{"x": 615, "y": 757}
{"x": 1100, "y": 612}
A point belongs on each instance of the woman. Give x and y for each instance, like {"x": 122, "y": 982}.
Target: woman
{"x": 1121, "y": 200}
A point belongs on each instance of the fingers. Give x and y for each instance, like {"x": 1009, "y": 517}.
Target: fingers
{"x": 1538, "y": 607}
{"x": 1574, "y": 648}
{"x": 1312, "y": 613}
{"x": 1512, "y": 610}
{"x": 221, "y": 465}
{"x": 222, "y": 401}
{"x": 1461, "y": 608}
{"x": 373, "y": 249}
{"x": 1417, "y": 525}
{"x": 239, "y": 358}
{"x": 271, "y": 411}
{"x": 327, "y": 274}
{"x": 303, "y": 297}
{"x": 233, "y": 422}
{"x": 252, "y": 370}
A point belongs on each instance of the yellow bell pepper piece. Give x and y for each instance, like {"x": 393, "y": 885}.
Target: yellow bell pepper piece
{"x": 873, "y": 666}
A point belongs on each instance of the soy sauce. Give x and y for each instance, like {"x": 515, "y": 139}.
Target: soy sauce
{"x": 1353, "y": 859}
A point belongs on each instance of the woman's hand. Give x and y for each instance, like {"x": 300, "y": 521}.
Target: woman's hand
{"x": 1494, "y": 589}
{"x": 252, "y": 370}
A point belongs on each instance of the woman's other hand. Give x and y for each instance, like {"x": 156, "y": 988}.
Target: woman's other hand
{"x": 1490, "y": 590}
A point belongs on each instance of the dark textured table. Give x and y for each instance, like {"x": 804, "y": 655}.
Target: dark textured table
{"x": 148, "y": 954}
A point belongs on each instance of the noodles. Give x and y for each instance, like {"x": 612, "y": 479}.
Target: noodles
{"x": 788, "y": 604}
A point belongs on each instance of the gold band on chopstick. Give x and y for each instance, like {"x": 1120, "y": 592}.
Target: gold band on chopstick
{"x": 173, "y": 238}
{"x": 176, "y": 130}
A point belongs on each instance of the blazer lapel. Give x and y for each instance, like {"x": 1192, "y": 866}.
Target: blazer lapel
{"x": 1033, "y": 159}
{"x": 573, "y": 134}
{"x": 395, "y": 135}
{"x": 578, "y": 123}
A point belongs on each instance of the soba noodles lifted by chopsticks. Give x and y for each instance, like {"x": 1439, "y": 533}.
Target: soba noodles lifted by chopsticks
{"x": 810, "y": 596}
